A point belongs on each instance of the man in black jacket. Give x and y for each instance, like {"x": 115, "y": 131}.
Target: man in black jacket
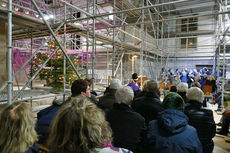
{"x": 127, "y": 125}
{"x": 106, "y": 102}
{"x": 149, "y": 104}
{"x": 201, "y": 118}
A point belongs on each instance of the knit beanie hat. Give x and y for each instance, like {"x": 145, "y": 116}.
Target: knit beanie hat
{"x": 173, "y": 101}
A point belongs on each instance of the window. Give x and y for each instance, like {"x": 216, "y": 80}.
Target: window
{"x": 227, "y": 49}
{"x": 189, "y": 24}
{"x": 191, "y": 42}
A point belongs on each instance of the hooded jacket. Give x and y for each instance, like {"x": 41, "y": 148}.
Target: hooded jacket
{"x": 170, "y": 133}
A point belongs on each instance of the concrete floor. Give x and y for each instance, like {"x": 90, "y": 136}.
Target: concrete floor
{"x": 221, "y": 146}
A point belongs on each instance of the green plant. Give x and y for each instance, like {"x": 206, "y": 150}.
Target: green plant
{"x": 53, "y": 71}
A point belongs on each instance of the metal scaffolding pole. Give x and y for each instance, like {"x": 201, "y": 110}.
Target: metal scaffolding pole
{"x": 157, "y": 74}
{"x": 30, "y": 58}
{"x": 162, "y": 12}
{"x": 64, "y": 64}
{"x": 87, "y": 44}
{"x": 123, "y": 39}
{"x": 31, "y": 67}
{"x": 142, "y": 43}
{"x": 176, "y": 18}
{"x": 141, "y": 8}
{"x": 114, "y": 49}
{"x": 93, "y": 46}
{"x": 10, "y": 71}
{"x": 53, "y": 34}
{"x": 35, "y": 74}
{"x": 225, "y": 41}
{"x": 31, "y": 52}
{"x": 77, "y": 8}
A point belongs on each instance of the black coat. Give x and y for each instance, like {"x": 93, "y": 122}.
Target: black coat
{"x": 106, "y": 102}
{"x": 148, "y": 106}
{"x": 127, "y": 125}
{"x": 202, "y": 119}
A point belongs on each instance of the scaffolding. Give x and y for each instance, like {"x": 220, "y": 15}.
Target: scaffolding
{"x": 110, "y": 37}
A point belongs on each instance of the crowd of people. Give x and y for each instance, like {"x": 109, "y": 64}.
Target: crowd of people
{"x": 191, "y": 77}
{"x": 125, "y": 119}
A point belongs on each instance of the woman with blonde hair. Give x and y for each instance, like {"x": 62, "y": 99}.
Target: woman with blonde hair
{"x": 17, "y": 129}
{"x": 80, "y": 127}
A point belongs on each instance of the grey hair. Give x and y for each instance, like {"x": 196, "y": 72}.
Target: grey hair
{"x": 151, "y": 86}
{"x": 182, "y": 87}
{"x": 115, "y": 84}
{"x": 124, "y": 95}
{"x": 196, "y": 94}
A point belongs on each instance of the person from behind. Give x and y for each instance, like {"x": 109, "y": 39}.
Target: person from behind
{"x": 149, "y": 104}
{"x": 173, "y": 89}
{"x": 17, "y": 129}
{"x": 122, "y": 116}
{"x": 133, "y": 84}
{"x": 44, "y": 119}
{"x": 200, "y": 118}
{"x": 80, "y": 127}
{"x": 80, "y": 88}
{"x": 182, "y": 89}
{"x": 170, "y": 133}
{"x": 106, "y": 102}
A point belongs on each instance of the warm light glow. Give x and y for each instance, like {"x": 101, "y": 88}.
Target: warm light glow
{"x": 134, "y": 56}
{"x": 3, "y": 4}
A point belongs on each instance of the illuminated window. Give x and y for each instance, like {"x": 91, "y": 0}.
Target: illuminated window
{"x": 189, "y": 42}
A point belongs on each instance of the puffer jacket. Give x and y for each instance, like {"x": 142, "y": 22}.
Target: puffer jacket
{"x": 170, "y": 133}
{"x": 202, "y": 119}
{"x": 148, "y": 105}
